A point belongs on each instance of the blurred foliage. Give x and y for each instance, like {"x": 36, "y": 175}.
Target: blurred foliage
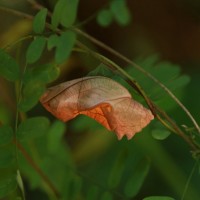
{"x": 80, "y": 159}
{"x": 118, "y": 11}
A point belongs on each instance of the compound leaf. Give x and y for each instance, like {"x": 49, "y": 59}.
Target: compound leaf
{"x": 32, "y": 127}
{"x": 39, "y": 21}
{"x": 9, "y": 69}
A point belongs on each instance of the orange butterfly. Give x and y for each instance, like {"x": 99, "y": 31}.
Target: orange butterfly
{"x": 100, "y": 98}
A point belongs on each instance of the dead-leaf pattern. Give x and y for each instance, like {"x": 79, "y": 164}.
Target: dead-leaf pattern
{"x": 100, "y": 98}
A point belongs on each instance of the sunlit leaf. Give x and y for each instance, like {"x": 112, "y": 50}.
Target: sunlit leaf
{"x": 35, "y": 49}
{"x": 32, "y": 127}
{"x": 39, "y": 21}
{"x": 100, "y": 98}
{"x": 20, "y": 183}
{"x": 9, "y": 69}
{"x": 6, "y": 134}
{"x": 160, "y": 134}
{"x": 120, "y": 12}
{"x": 104, "y": 18}
{"x": 64, "y": 47}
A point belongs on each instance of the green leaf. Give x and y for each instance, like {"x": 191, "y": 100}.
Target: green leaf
{"x": 52, "y": 41}
{"x": 43, "y": 74}
{"x": 101, "y": 70}
{"x": 7, "y": 186}
{"x": 35, "y": 49}
{"x": 160, "y": 134}
{"x": 20, "y": 183}
{"x": 9, "y": 69}
{"x": 136, "y": 178}
{"x": 69, "y": 13}
{"x": 55, "y": 135}
{"x": 158, "y": 198}
{"x": 34, "y": 81}
{"x": 75, "y": 187}
{"x": 120, "y": 12}
{"x": 65, "y": 46}
{"x": 56, "y": 16}
{"x": 104, "y": 18}
{"x": 7, "y": 156}
{"x": 166, "y": 72}
{"x": 92, "y": 193}
{"x": 106, "y": 196}
{"x": 32, "y": 91}
{"x": 39, "y": 21}
{"x": 117, "y": 171}
{"x": 32, "y": 127}
{"x": 6, "y": 134}
{"x": 65, "y": 13}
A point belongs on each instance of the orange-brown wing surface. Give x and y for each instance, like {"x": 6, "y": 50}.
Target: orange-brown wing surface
{"x": 100, "y": 98}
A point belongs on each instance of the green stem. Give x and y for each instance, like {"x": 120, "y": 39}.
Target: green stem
{"x": 18, "y": 41}
{"x": 119, "y": 55}
{"x": 189, "y": 180}
{"x": 134, "y": 84}
{"x": 127, "y": 60}
{"x": 52, "y": 190}
{"x": 112, "y": 51}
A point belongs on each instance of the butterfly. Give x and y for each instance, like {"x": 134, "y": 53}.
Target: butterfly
{"x": 100, "y": 98}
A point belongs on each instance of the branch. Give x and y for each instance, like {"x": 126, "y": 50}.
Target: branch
{"x": 128, "y": 61}
{"x": 151, "y": 105}
{"x": 38, "y": 170}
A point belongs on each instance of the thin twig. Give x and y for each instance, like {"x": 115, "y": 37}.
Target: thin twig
{"x": 37, "y": 169}
{"x": 133, "y": 83}
{"x": 127, "y": 60}
{"x": 189, "y": 180}
{"x": 104, "y": 46}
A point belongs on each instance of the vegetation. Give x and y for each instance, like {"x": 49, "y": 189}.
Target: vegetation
{"x": 44, "y": 158}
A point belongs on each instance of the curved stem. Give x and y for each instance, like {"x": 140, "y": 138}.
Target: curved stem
{"x": 16, "y": 42}
{"x": 189, "y": 180}
{"x": 38, "y": 170}
{"x": 127, "y": 60}
{"x": 155, "y": 110}
{"x": 119, "y": 55}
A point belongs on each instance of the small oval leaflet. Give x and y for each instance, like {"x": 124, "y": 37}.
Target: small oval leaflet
{"x": 100, "y": 98}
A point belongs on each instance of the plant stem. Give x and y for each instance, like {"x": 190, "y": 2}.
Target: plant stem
{"x": 134, "y": 84}
{"x": 38, "y": 170}
{"x": 16, "y": 42}
{"x": 127, "y": 60}
{"x": 189, "y": 180}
